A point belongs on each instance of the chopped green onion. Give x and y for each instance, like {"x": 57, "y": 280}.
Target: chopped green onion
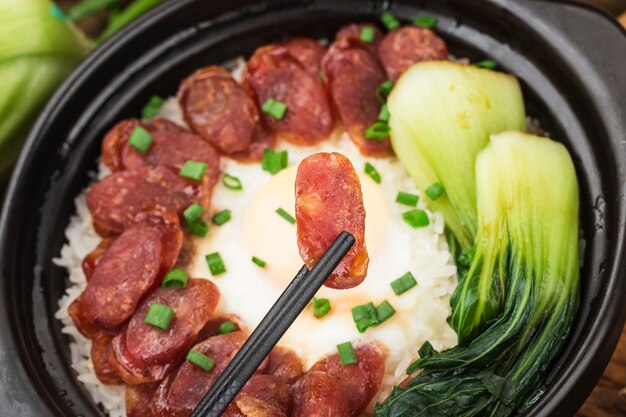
{"x": 259, "y": 262}
{"x": 231, "y": 182}
{"x": 389, "y": 20}
{"x": 221, "y": 217}
{"x": 379, "y": 131}
{"x": 371, "y": 171}
{"x": 274, "y": 108}
{"x": 435, "y": 191}
{"x": 383, "y": 116}
{"x": 486, "y": 64}
{"x": 365, "y": 316}
{"x": 159, "y": 316}
{"x": 404, "y": 283}
{"x": 282, "y": 213}
{"x": 152, "y": 107}
{"x": 383, "y": 90}
{"x": 428, "y": 22}
{"x": 407, "y": 199}
{"x": 416, "y": 218}
{"x": 176, "y": 278}
{"x": 141, "y": 139}
{"x": 273, "y": 161}
{"x": 216, "y": 265}
{"x": 198, "y": 227}
{"x": 368, "y": 34}
{"x": 346, "y": 353}
{"x": 194, "y": 170}
{"x": 200, "y": 360}
{"x": 321, "y": 307}
{"x": 193, "y": 212}
{"x": 227, "y": 327}
{"x": 384, "y": 311}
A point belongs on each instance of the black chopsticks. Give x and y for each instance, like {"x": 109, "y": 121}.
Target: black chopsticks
{"x": 275, "y": 323}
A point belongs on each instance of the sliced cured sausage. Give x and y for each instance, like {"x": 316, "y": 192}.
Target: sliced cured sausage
{"x": 353, "y": 75}
{"x": 143, "y": 353}
{"x": 361, "y": 381}
{"x": 115, "y": 200}
{"x": 284, "y": 365}
{"x": 100, "y": 350}
{"x": 319, "y": 394}
{"x": 329, "y": 201}
{"x": 262, "y": 396}
{"x": 133, "y": 265}
{"x": 171, "y": 147}
{"x": 352, "y": 34}
{"x": 138, "y": 399}
{"x": 212, "y": 328}
{"x": 218, "y": 109}
{"x": 93, "y": 258}
{"x": 307, "y": 52}
{"x": 408, "y": 45}
{"x": 273, "y": 73}
{"x": 263, "y": 139}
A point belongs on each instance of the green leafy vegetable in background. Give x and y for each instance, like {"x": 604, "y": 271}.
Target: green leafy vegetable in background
{"x": 518, "y": 291}
{"x": 38, "y": 49}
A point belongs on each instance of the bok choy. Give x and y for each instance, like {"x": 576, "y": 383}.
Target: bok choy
{"x": 517, "y": 298}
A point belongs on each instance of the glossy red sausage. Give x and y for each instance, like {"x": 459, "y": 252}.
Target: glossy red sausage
{"x": 212, "y": 328}
{"x": 143, "y": 353}
{"x": 284, "y": 365}
{"x": 329, "y": 201}
{"x": 361, "y": 381}
{"x": 115, "y": 200}
{"x": 319, "y": 394}
{"x": 183, "y": 389}
{"x": 408, "y": 45}
{"x": 133, "y": 265}
{"x": 352, "y": 34}
{"x": 308, "y": 52}
{"x": 272, "y": 73}
{"x": 219, "y": 110}
{"x": 263, "y": 139}
{"x": 171, "y": 147}
{"x": 100, "y": 350}
{"x": 353, "y": 74}
{"x": 262, "y": 396}
{"x": 93, "y": 258}
{"x": 138, "y": 399}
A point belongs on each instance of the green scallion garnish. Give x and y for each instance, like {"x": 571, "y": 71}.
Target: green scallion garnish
{"x": 227, "y": 327}
{"x": 404, "y": 283}
{"x": 274, "y": 108}
{"x": 200, "y": 360}
{"x": 141, "y": 139}
{"x": 321, "y": 307}
{"x": 176, "y": 278}
{"x": 368, "y": 34}
{"x": 486, "y": 64}
{"x": 416, "y": 218}
{"x": 221, "y": 217}
{"x": 389, "y": 20}
{"x": 383, "y": 90}
{"x": 435, "y": 191}
{"x": 346, "y": 353}
{"x": 198, "y": 227}
{"x": 365, "y": 316}
{"x": 273, "y": 161}
{"x": 282, "y": 213}
{"x": 152, "y": 107}
{"x": 379, "y": 131}
{"x": 407, "y": 199}
{"x": 159, "y": 316}
{"x": 259, "y": 262}
{"x": 194, "y": 170}
{"x": 193, "y": 212}
{"x": 383, "y": 116}
{"x": 231, "y": 182}
{"x": 384, "y": 311}
{"x": 428, "y": 22}
{"x": 216, "y": 265}
{"x": 372, "y": 172}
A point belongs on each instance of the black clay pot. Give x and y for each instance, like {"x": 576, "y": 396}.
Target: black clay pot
{"x": 570, "y": 59}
